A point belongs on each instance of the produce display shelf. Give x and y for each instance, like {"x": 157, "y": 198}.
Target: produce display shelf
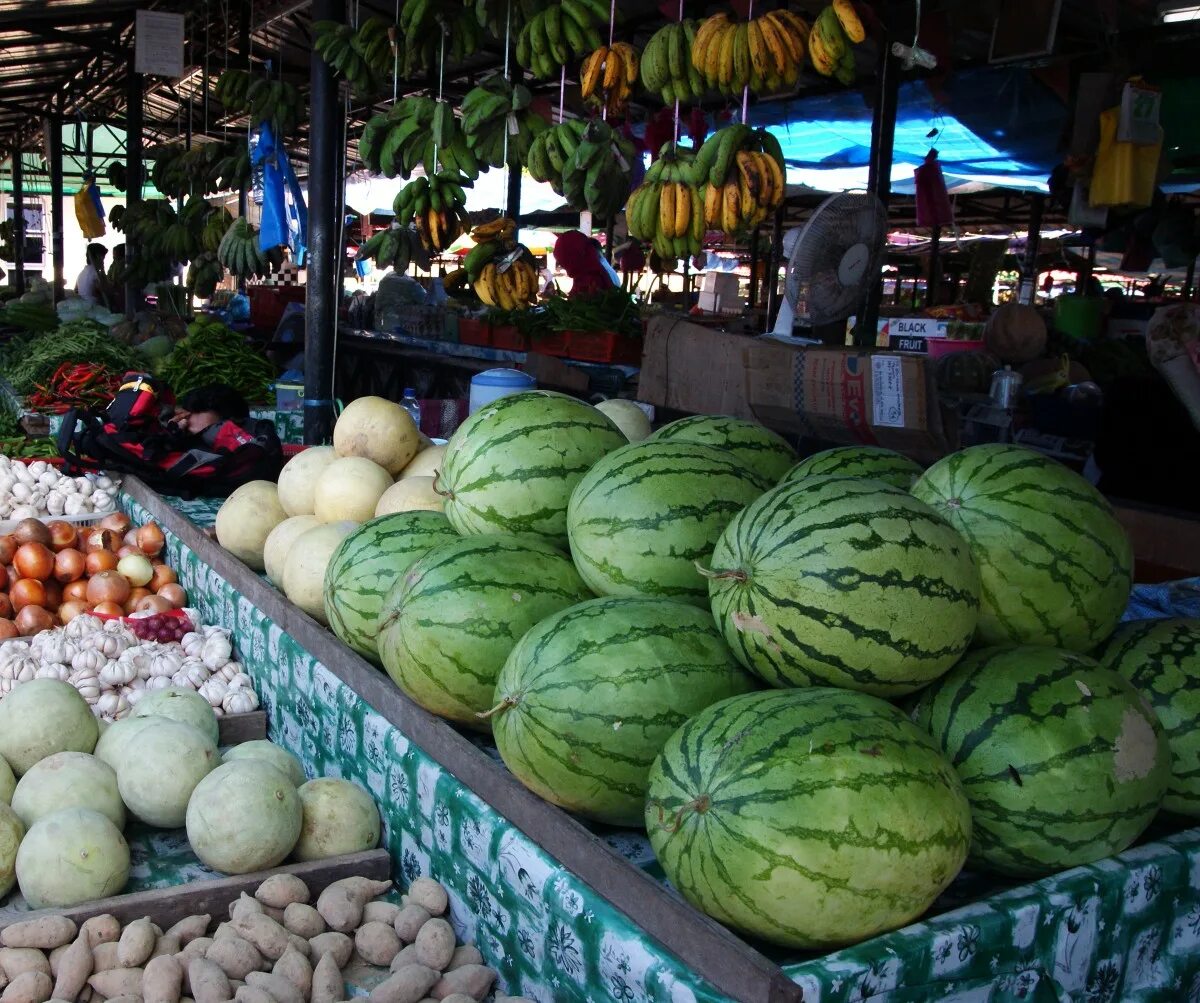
{"x": 567, "y": 912}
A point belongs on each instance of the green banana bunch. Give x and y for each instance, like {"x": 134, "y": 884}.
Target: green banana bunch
{"x": 549, "y": 151}
{"x": 397, "y": 247}
{"x": 276, "y": 102}
{"x": 500, "y": 16}
{"x": 667, "y": 68}
{"x": 497, "y": 118}
{"x": 116, "y": 175}
{"x": 238, "y": 251}
{"x": 144, "y": 225}
{"x": 422, "y": 25}
{"x": 560, "y": 32}
{"x": 597, "y": 174}
{"x": 215, "y": 227}
{"x": 231, "y": 90}
{"x": 437, "y": 205}
{"x": 405, "y": 137}
{"x": 365, "y": 55}
{"x": 204, "y": 274}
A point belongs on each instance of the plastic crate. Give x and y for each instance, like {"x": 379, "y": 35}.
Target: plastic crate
{"x": 603, "y": 346}
{"x": 267, "y": 303}
{"x": 509, "y": 338}
{"x": 425, "y": 323}
{"x": 553, "y": 344}
{"x": 474, "y": 332}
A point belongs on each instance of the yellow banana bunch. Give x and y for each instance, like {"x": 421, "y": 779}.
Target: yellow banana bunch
{"x": 607, "y": 76}
{"x": 667, "y": 210}
{"x": 764, "y": 54}
{"x": 501, "y": 228}
{"x": 512, "y": 289}
{"x": 834, "y": 33}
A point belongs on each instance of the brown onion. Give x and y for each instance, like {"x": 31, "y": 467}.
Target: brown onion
{"x": 8, "y": 547}
{"x": 68, "y": 565}
{"x": 33, "y": 620}
{"x": 136, "y": 595}
{"x": 174, "y": 594}
{"x": 34, "y": 560}
{"x": 108, "y": 587}
{"x": 27, "y": 592}
{"x": 157, "y": 604}
{"x": 96, "y": 539}
{"x": 75, "y": 591}
{"x": 6, "y": 606}
{"x": 69, "y": 610}
{"x": 62, "y": 535}
{"x": 151, "y": 540}
{"x": 31, "y": 531}
{"x": 53, "y": 594}
{"x": 13, "y": 575}
{"x": 108, "y": 609}
{"x": 100, "y": 560}
{"x": 7, "y": 629}
{"x": 163, "y": 575}
{"x": 126, "y": 550}
{"x": 117, "y": 522}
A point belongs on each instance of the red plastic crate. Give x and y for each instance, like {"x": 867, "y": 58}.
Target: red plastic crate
{"x": 554, "y": 344}
{"x": 508, "y": 337}
{"x": 474, "y": 332}
{"x": 603, "y": 346}
{"x": 267, "y": 303}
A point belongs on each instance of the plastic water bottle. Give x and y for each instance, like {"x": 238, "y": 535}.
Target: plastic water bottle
{"x": 410, "y": 404}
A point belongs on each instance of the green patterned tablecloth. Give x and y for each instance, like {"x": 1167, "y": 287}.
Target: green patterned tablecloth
{"x": 1125, "y": 929}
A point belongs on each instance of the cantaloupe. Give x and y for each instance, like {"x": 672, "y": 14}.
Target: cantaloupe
{"x": 180, "y": 704}
{"x": 628, "y": 417}
{"x": 277, "y": 756}
{"x": 158, "y": 769}
{"x": 246, "y": 519}
{"x": 379, "y": 430}
{"x": 350, "y": 488}
{"x": 244, "y": 816}
{"x": 426, "y": 463}
{"x": 68, "y": 780}
{"x": 339, "y": 817}
{"x": 304, "y": 569}
{"x": 110, "y": 747}
{"x": 12, "y": 831}
{"x": 410, "y": 494}
{"x": 42, "y": 717}
{"x": 298, "y": 478}
{"x": 95, "y": 848}
{"x": 279, "y": 544}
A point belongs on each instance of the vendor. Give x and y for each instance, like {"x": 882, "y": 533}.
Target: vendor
{"x": 580, "y": 257}
{"x": 92, "y": 285}
{"x": 211, "y": 417}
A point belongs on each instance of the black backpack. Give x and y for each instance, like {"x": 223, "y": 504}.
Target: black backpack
{"x": 130, "y": 436}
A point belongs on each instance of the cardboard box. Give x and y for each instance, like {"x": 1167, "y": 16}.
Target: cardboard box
{"x": 687, "y": 367}
{"x": 849, "y": 396}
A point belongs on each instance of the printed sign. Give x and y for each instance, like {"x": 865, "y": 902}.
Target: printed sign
{"x": 158, "y": 46}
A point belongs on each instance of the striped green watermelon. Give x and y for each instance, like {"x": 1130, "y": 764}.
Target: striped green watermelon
{"x": 511, "y": 466}
{"x": 589, "y": 695}
{"x": 367, "y": 563}
{"x": 1055, "y": 566}
{"x": 1162, "y": 659}
{"x": 844, "y": 581}
{"x": 756, "y": 447}
{"x": 812, "y": 818}
{"x": 1063, "y": 761}
{"x": 645, "y": 514}
{"x": 448, "y": 625}
{"x": 859, "y": 461}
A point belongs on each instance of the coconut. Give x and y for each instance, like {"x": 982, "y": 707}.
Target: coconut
{"x": 158, "y": 769}
{"x": 279, "y": 544}
{"x": 180, "y": 704}
{"x": 246, "y": 519}
{"x": 12, "y": 831}
{"x": 339, "y": 817}
{"x": 298, "y": 478}
{"x": 71, "y": 856}
{"x": 42, "y": 717}
{"x": 8, "y": 783}
{"x": 113, "y": 738}
{"x": 244, "y": 816}
{"x": 68, "y": 780}
{"x": 379, "y": 430}
{"x": 266, "y": 750}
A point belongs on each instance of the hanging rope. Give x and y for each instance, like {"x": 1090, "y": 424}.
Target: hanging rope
{"x": 562, "y": 93}
{"x": 676, "y": 131}
{"x": 612, "y": 21}
{"x": 395, "y": 55}
{"x": 441, "y": 85}
{"x": 746, "y": 89}
{"x": 508, "y": 123}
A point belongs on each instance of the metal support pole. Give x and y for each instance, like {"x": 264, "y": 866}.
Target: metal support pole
{"x": 133, "y": 179}
{"x": 57, "y": 252}
{"x": 879, "y": 183}
{"x": 1189, "y": 281}
{"x": 1085, "y": 273}
{"x": 772, "y": 276}
{"x": 754, "y": 238}
{"x": 325, "y": 194}
{"x": 515, "y": 172}
{"x": 18, "y": 200}
{"x": 934, "y": 280}
{"x": 244, "y": 49}
{"x": 1029, "y": 269}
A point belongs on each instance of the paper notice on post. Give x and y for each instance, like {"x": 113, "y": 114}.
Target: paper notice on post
{"x": 887, "y": 391}
{"x": 158, "y": 46}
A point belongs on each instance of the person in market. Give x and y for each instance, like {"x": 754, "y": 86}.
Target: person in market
{"x": 210, "y": 417}
{"x": 581, "y": 258}
{"x": 92, "y": 284}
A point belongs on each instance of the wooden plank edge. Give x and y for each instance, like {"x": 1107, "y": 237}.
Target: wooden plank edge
{"x": 234, "y": 729}
{"x": 709, "y": 948}
{"x": 166, "y": 906}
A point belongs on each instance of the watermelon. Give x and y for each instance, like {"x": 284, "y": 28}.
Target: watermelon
{"x": 859, "y": 461}
{"x": 1162, "y": 660}
{"x": 449, "y": 623}
{"x": 812, "y": 818}
{"x": 1055, "y": 566}
{"x": 1063, "y": 761}
{"x": 366, "y": 564}
{"x": 754, "y": 446}
{"x": 844, "y": 581}
{"x": 645, "y": 514}
{"x": 589, "y": 695}
{"x": 511, "y": 466}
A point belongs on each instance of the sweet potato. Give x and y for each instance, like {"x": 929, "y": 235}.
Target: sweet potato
{"x": 337, "y": 944}
{"x": 466, "y": 954}
{"x": 472, "y": 980}
{"x": 377, "y": 943}
{"x": 435, "y": 944}
{"x": 207, "y": 982}
{"x": 162, "y": 981}
{"x": 105, "y": 929}
{"x": 136, "y": 943}
{"x": 74, "y": 967}
{"x": 45, "y": 933}
{"x": 236, "y": 957}
{"x": 194, "y": 949}
{"x": 244, "y": 905}
{"x": 408, "y": 985}
{"x": 407, "y": 956}
{"x": 104, "y": 957}
{"x": 28, "y": 987}
{"x": 249, "y": 994}
{"x": 303, "y": 920}
{"x": 381, "y": 911}
{"x": 282, "y": 890}
{"x": 16, "y": 961}
{"x": 297, "y": 969}
{"x": 364, "y": 889}
{"x": 189, "y": 928}
{"x": 429, "y": 895}
{"x": 166, "y": 944}
{"x": 341, "y": 909}
{"x": 327, "y": 983}
{"x": 264, "y": 933}
{"x": 117, "y": 982}
{"x": 409, "y": 921}
{"x": 225, "y": 931}
{"x": 458, "y": 998}
{"x": 275, "y": 986}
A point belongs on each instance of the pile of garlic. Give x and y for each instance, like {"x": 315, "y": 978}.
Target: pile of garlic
{"x": 35, "y": 490}
{"x": 113, "y": 669}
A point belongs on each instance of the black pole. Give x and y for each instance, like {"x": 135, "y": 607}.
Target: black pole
{"x": 772, "y": 276}
{"x": 879, "y": 183}
{"x": 754, "y": 238}
{"x": 1189, "y": 281}
{"x": 57, "y": 252}
{"x": 1029, "y": 268}
{"x": 244, "y": 48}
{"x": 133, "y": 180}
{"x": 1085, "y": 273}
{"x": 325, "y": 196}
{"x": 18, "y": 219}
{"x": 934, "y": 279}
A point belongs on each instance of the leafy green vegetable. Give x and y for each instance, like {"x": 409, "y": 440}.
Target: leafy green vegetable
{"x": 212, "y": 353}
{"x": 77, "y": 341}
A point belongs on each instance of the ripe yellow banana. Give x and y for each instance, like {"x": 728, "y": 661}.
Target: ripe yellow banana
{"x": 748, "y": 169}
{"x": 485, "y": 284}
{"x": 712, "y": 207}
{"x": 589, "y": 72}
{"x": 760, "y": 52}
{"x": 729, "y": 36}
{"x": 683, "y": 208}
{"x": 820, "y": 58}
{"x": 784, "y": 47}
{"x": 705, "y": 36}
{"x": 666, "y": 210}
{"x": 849, "y": 20}
{"x": 778, "y": 179}
{"x": 614, "y": 69}
{"x": 731, "y": 215}
{"x": 631, "y": 62}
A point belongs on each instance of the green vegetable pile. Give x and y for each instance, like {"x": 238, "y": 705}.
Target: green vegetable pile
{"x": 38, "y": 359}
{"x": 613, "y": 310}
{"x": 212, "y": 353}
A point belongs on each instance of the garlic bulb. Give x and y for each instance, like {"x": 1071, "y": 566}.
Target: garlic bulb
{"x": 165, "y": 662}
{"x": 53, "y": 670}
{"x": 118, "y": 673}
{"x": 89, "y": 660}
{"x": 158, "y": 683}
{"x": 109, "y": 644}
{"x": 83, "y": 625}
{"x": 88, "y": 684}
{"x": 112, "y": 704}
{"x": 240, "y": 701}
{"x": 214, "y": 690}
{"x": 192, "y": 644}
{"x": 216, "y": 651}
{"x": 192, "y": 673}
{"x": 230, "y": 670}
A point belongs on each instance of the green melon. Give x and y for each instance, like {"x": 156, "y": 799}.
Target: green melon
{"x": 1055, "y": 565}
{"x": 754, "y": 446}
{"x": 448, "y": 624}
{"x": 1063, "y": 761}
{"x": 844, "y": 581}
{"x": 1162, "y": 659}
{"x": 511, "y": 466}
{"x": 589, "y": 695}
{"x": 644, "y": 515}
{"x": 812, "y": 818}
{"x": 365, "y": 566}
{"x": 884, "y": 465}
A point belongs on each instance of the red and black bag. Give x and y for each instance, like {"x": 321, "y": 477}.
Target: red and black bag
{"x": 131, "y": 436}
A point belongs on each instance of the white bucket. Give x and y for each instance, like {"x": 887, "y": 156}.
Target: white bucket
{"x": 488, "y": 386}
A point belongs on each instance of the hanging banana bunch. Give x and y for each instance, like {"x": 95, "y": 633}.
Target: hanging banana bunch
{"x": 365, "y": 55}
{"x": 667, "y": 209}
{"x": 830, "y": 43}
{"x": 231, "y": 89}
{"x": 204, "y": 275}
{"x": 436, "y": 204}
{"x": 666, "y": 66}
{"x": 501, "y": 271}
{"x": 764, "y": 54}
{"x": 403, "y": 138}
{"x": 116, "y": 175}
{"x": 422, "y": 26}
{"x": 397, "y": 247}
{"x": 741, "y": 172}
{"x": 596, "y": 176}
{"x": 607, "y": 76}
{"x": 550, "y": 149}
{"x": 498, "y": 17}
{"x": 238, "y": 251}
{"x": 497, "y": 118}
{"x": 559, "y": 33}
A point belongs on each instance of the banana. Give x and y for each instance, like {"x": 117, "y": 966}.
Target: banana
{"x": 778, "y": 179}
{"x": 683, "y": 208}
{"x": 760, "y": 53}
{"x": 829, "y": 30}
{"x": 741, "y": 57}
{"x": 726, "y": 65}
{"x": 820, "y": 58}
{"x": 589, "y": 72}
{"x": 731, "y": 216}
{"x": 666, "y": 210}
{"x": 712, "y": 206}
{"x": 784, "y": 43}
{"x": 849, "y": 20}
